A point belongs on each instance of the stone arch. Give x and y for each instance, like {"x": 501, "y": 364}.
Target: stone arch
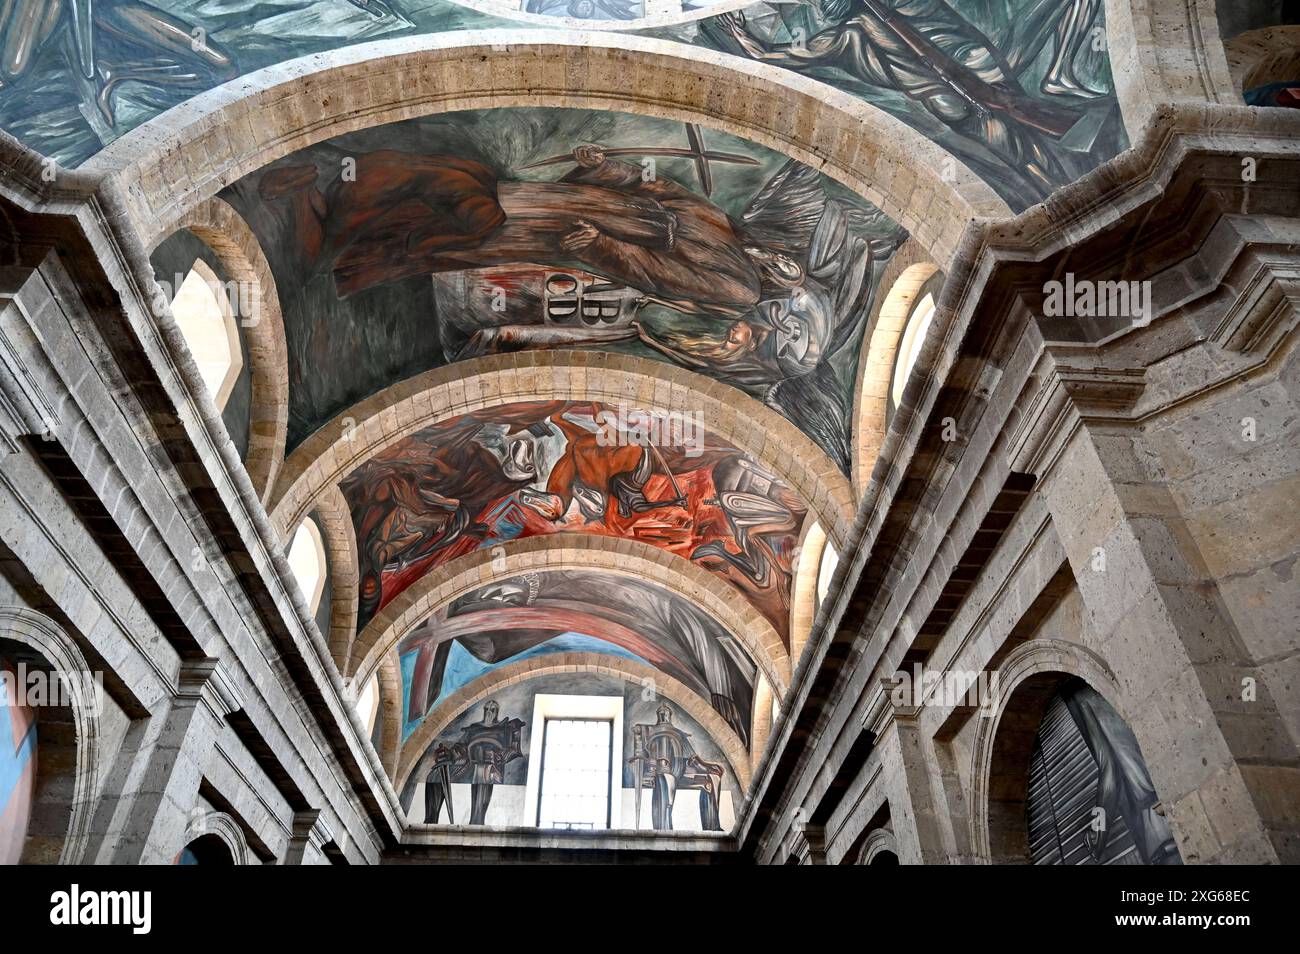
{"x": 168, "y": 165}
{"x": 335, "y": 521}
{"x": 879, "y": 843}
{"x": 67, "y": 779}
{"x": 446, "y": 711}
{"x": 368, "y": 427}
{"x": 222, "y": 229}
{"x": 1162, "y": 52}
{"x": 803, "y": 590}
{"x": 1025, "y": 683}
{"x": 908, "y": 272}
{"x": 1268, "y": 55}
{"x": 504, "y": 9}
{"x": 574, "y": 551}
{"x": 223, "y": 828}
{"x": 391, "y": 718}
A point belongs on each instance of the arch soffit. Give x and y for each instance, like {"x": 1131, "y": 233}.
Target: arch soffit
{"x": 224, "y": 231}
{"x": 167, "y": 166}
{"x": 574, "y": 551}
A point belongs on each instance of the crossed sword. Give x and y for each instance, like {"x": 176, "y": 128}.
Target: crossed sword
{"x": 696, "y": 152}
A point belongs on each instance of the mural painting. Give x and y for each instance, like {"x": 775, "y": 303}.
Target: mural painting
{"x": 480, "y": 758}
{"x": 1019, "y": 90}
{"x": 664, "y": 761}
{"x": 669, "y": 774}
{"x": 1091, "y": 799}
{"x": 17, "y": 767}
{"x": 78, "y": 74}
{"x": 565, "y": 611}
{"x": 531, "y": 469}
{"x": 443, "y": 239}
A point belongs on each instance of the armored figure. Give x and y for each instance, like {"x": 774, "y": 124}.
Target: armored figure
{"x": 480, "y": 758}
{"x": 665, "y": 761}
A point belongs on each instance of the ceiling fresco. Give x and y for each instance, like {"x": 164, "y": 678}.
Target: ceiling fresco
{"x": 476, "y": 771}
{"x": 1019, "y": 89}
{"x": 569, "y": 611}
{"x": 407, "y": 247}
{"x": 532, "y": 469}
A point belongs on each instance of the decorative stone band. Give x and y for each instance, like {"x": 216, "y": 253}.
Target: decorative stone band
{"x": 335, "y": 520}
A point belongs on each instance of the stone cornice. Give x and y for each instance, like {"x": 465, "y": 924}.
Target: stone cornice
{"x": 1186, "y": 151}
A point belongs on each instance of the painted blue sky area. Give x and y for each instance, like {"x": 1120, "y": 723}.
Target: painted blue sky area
{"x": 12, "y": 763}
{"x": 463, "y": 667}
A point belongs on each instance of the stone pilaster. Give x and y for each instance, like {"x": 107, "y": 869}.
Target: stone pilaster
{"x": 906, "y": 759}
{"x": 152, "y": 796}
{"x": 311, "y": 833}
{"x": 1212, "y": 734}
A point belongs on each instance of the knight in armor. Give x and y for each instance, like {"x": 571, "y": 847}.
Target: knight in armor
{"x": 665, "y": 762}
{"x": 761, "y": 512}
{"x": 483, "y": 752}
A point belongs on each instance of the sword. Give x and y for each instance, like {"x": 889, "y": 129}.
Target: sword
{"x": 965, "y": 83}
{"x": 674, "y": 151}
{"x": 445, "y": 774}
{"x": 695, "y": 152}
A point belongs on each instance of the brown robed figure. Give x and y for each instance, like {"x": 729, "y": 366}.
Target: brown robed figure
{"x": 409, "y": 215}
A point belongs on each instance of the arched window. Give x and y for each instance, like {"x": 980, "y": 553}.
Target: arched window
{"x": 206, "y": 850}
{"x": 830, "y": 560}
{"x": 203, "y": 313}
{"x": 368, "y": 704}
{"x": 918, "y": 323}
{"x": 307, "y": 561}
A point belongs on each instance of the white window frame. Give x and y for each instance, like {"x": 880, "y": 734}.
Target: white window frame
{"x": 555, "y": 706}
{"x": 909, "y": 348}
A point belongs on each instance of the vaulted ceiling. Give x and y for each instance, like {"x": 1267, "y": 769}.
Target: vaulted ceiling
{"x": 575, "y": 346}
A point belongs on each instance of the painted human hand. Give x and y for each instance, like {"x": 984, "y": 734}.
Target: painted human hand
{"x": 589, "y": 156}
{"x": 581, "y": 237}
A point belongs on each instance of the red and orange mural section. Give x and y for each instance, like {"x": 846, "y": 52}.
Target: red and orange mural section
{"x": 537, "y": 468}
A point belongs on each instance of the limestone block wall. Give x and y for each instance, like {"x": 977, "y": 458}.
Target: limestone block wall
{"x": 1116, "y": 508}
{"x": 133, "y": 549}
